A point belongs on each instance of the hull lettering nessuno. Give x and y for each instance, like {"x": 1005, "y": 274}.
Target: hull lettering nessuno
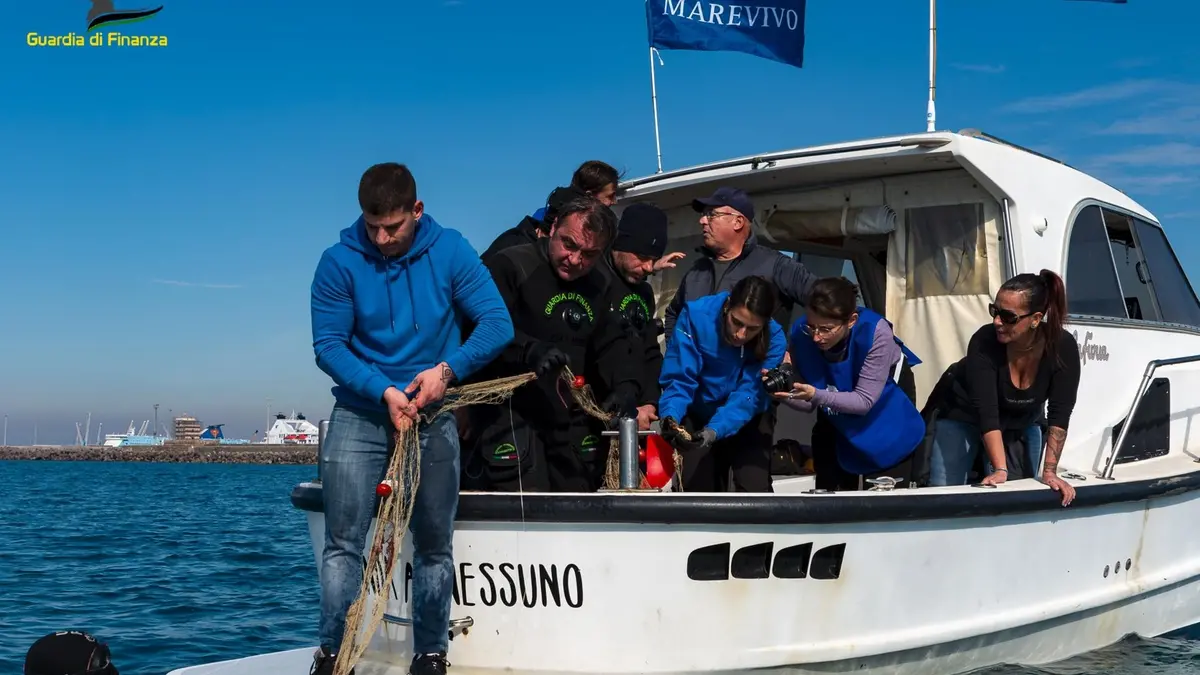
{"x": 507, "y": 584}
{"x": 888, "y": 580}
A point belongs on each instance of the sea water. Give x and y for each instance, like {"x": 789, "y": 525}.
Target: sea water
{"x": 180, "y": 564}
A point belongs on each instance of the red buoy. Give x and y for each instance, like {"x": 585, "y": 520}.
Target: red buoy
{"x": 383, "y": 489}
{"x": 578, "y": 384}
{"x": 660, "y": 461}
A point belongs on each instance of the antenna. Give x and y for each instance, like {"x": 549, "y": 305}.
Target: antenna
{"x": 930, "y": 112}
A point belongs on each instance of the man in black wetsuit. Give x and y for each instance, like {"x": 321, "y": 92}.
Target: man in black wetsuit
{"x": 532, "y": 228}
{"x": 561, "y": 311}
{"x": 641, "y": 240}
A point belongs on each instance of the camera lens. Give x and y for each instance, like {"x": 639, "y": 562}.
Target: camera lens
{"x": 778, "y": 379}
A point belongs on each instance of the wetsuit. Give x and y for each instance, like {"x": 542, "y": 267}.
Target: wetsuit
{"x": 634, "y": 305}
{"x": 525, "y": 232}
{"x": 541, "y": 425}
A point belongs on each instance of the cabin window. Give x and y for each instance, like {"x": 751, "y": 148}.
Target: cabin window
{"x": 1140, "y": 303}
{"x": 1176, "y": 299}
{"x": 1091, "y": 280}
{"x": 946, "y": 251}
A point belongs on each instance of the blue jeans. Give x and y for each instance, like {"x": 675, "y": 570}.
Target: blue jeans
{"x": 353, "y": 460}
{"x": 957, "y": 444}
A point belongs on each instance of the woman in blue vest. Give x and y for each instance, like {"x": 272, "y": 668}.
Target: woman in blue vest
{"x": 846, "y": 362}
{"x": 709, "y": 382}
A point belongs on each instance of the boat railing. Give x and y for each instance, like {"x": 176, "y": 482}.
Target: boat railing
{"x": 627, "y": 440}
{"x": 1152, "y": 367}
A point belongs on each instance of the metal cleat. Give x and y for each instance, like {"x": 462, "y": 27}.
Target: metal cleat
{"x": 882, "y": 484}
{"x": 457, "y": 626}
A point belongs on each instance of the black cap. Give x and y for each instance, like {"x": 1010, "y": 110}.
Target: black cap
{"x": 727, "y": 196}
{"x": 559, "y": 199}
{"x": 642, "y": 231}
{"x": 68, "y": 653}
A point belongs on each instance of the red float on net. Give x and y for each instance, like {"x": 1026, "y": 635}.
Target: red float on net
{"x": 579, "y": 382}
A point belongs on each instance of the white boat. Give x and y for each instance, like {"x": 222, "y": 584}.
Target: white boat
{"x": 294, "y": 430}
{"x": 927, "y": 580}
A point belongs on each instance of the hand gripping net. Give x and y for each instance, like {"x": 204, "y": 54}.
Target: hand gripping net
{"x": 403, "y": 475}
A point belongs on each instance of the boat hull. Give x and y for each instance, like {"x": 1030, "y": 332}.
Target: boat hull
{"x": 896, "y": 595}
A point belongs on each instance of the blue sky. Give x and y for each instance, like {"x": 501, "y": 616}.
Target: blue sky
{"x": 163, "y": 209}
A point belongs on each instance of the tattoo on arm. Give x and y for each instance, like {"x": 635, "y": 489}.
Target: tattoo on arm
{"x": 447, "y": 373}
{"x": 1054, "y": 445}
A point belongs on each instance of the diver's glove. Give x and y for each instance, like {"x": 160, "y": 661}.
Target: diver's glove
{"x": 544, "y": 358}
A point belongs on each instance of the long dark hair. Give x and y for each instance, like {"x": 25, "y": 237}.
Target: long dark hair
{"x": 759, "y": 297}
{"x": 1047, "y": 294}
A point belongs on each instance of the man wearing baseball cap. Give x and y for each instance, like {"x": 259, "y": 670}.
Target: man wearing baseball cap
{"x": 730, "y": 253}
{"x": 640, "y": 242}
{"x": 68, "y": 653}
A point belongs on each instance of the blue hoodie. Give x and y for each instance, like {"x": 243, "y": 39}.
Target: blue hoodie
{"x": 716, "y": 384}
{"x": 378, "y": 322}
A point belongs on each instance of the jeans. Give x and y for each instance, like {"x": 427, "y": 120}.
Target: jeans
{"x": 957, "y": 444}
{"x": 353, "y": 460}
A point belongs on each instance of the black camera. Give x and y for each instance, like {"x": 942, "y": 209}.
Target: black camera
{"x": 779, "y": 380}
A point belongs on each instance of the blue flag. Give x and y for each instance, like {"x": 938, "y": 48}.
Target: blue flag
{"x": 771, "y": 29}
{"x": 1115, "y": 2}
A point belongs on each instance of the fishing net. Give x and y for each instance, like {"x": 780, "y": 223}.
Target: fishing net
{"x": 398, "y": 493}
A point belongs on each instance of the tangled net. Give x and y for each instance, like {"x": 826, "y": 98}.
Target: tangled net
{"x": 402, "y": 480}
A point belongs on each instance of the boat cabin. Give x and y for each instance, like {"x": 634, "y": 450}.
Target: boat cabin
{"x": 930, "y": 225}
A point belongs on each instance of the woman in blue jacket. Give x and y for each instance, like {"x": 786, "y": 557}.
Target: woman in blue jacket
{"x": 846, "y": 362}
{"x": 709, "y": 381}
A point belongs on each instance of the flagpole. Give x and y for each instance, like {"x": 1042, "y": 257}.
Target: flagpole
{"x": 930, "y": 113}
{"x": 654, "y": 103}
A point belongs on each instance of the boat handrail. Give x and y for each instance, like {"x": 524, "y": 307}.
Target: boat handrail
{"x": 1152, "y": 366}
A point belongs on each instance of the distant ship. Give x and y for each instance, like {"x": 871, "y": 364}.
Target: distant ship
{"x": 294, "y": 430}
{"x": 131, "y": 437}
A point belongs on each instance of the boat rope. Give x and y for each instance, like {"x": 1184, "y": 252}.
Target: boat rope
{"x": 398, "y": 492}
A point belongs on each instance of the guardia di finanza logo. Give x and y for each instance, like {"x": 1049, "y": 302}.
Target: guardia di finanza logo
{"x": 104, "y": 15}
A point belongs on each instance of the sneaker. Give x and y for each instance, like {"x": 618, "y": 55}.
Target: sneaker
{"x": 323, "y": 661}
{"x": 429, "y": 664}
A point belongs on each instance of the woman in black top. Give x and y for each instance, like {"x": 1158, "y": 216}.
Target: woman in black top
{"x": 1022, "y": 363}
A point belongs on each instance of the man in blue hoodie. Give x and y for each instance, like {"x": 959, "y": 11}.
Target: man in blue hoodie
{"x": 386, "y": 307}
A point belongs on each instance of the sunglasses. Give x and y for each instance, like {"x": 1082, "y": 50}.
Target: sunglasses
{"x": 1007, "y": 316}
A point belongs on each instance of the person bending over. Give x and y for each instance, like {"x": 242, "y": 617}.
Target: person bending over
{"x": 1020, "y": 364}
{"x": 710, "y": 382}
{"x": 561, "y": 309}
{"x": 387, "y": 300}
{"x": 640, "y": 243}
{"x": 844, "y": 358}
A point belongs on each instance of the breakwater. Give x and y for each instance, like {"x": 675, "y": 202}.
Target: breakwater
{"x": 177, "y": 452}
